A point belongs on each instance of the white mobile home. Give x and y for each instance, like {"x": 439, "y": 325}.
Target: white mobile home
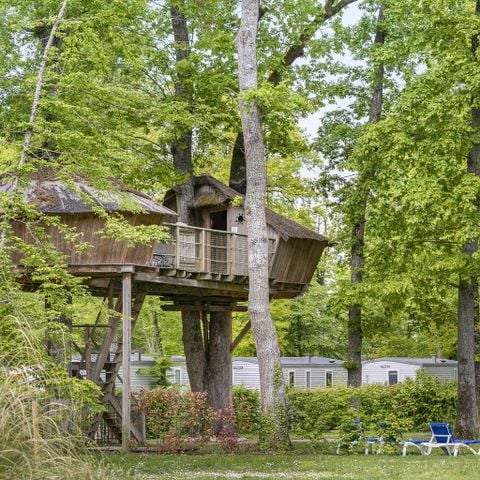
{"x": 299, "y": 372}
{"x": 392, "y": 370}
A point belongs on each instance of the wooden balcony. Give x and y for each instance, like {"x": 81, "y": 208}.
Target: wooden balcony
{"x": 202, "y": 250}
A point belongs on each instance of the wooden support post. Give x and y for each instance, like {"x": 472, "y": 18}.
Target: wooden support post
{"x": 126, "y": 351}
{"x": 88, "y": 354}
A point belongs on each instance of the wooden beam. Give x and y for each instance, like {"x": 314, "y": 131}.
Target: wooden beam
{"x": 126, "y": 350}
{"x": 188, "y": 282}
{"x": 240, "y": 336}
{"x": 204, "y": 308}
{"x": 108, "y": 338}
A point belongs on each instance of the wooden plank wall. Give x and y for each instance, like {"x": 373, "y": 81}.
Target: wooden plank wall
{"x": 99, "y": 250}
{"x": 295, "y": 260}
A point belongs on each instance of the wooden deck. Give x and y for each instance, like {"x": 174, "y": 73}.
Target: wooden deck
{"x": 177, "y": 284}
{"x": 191, "y": 266}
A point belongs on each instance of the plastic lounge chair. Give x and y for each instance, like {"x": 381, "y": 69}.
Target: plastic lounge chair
{"x": 413, "y": 443}
{"x": 357, "y": 436}
{"x": 443, "y": 437}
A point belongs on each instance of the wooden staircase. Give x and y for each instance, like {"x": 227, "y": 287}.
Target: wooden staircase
{"x": 104, "y": 371}
{"x": 112, "y": 416}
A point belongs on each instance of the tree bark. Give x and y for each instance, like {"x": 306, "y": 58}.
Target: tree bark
{"x": 467, "y": 411}
{"x": 194, "y": 350}
{"x": 218, "y": 375}
{"x": 357, "y": 256}
{"x": 272, "y": 384}
{"x": 467, "y": 414}
{"x": 205, "y": 370}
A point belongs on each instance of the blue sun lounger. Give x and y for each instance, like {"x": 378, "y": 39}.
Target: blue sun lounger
{"x": 443, "y": 437}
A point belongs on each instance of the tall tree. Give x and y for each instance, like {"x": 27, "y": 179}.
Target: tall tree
{"x": 467, "y": 409}
{"x": 357, "y": 255}
{"x": 272, "y": 384}
{"x": 319, "y": 17}
{"x": 182, "y": 159}
{"x": 207, "y": 356}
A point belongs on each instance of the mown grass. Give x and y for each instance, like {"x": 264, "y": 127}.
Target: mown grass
{"x": 301, "y": 463}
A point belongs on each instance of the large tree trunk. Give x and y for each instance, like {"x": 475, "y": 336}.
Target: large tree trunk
{"x": 218, "y": 375}
{"x": 208, "y": 368}
{"x": 467, "y": 412}
{"x": 182, "y": 158}
{"x": 194, "y": 350}
{"x": 272, "y": 384}
{"x": 357, "y": 257}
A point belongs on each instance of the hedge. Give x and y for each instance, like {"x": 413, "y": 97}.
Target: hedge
{"x": 408, "y": 406}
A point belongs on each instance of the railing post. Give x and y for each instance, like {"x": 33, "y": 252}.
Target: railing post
{"x": 177, "y": 247}
{"x": 232, "y": 237}
{"x": 203, "y": 249}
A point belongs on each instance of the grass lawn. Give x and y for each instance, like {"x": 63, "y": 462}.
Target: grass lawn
{"x": 301, "y": 463}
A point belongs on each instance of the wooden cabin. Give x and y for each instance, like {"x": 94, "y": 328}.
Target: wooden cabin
{"x": 74, "y": 204}
{"x": 218, "y": 242}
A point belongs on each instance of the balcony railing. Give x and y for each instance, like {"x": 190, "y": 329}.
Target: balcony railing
{"x": 205, "y": 251}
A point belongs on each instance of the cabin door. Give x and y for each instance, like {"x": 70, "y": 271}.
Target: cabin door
{"x": 218, "y": 245}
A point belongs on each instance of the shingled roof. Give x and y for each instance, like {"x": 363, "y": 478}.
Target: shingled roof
{"x": 50, "y": 195}
{"x": 285, "y": 227}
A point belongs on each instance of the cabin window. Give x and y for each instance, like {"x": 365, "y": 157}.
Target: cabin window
{"x": 329, "y": 378}
{"x": 291, "y": 378}
{"x": 392, "y": 377}
{"x": 308, "y": 382}
{"x": 177, "y": 376}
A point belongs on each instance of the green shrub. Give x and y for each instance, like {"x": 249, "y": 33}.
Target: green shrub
{"x": 399, "y": 408}
{"x": 246, "y": 405}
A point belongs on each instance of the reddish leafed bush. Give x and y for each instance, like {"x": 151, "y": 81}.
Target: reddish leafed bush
{"x": 179, "y": 420}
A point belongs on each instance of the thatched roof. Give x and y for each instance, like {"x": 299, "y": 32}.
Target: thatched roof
{"x": 50, "y": 195}
{"x": 224, "y": 194}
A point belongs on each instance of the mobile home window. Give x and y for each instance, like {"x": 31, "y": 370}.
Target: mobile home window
{"x": 392, "y": 377}
{"x": 308, "y": 382}
{"x": 328, "y": 378}
{"x": 291, "y": 378}
{"x": 177, "y": 373}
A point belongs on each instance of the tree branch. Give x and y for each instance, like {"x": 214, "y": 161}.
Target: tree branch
{"x": 298, "y": 50}
{"x": 38, "y": 87}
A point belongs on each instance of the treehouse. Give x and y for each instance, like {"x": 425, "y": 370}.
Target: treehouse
{"x": 217, "y": 245}
{"x": 201, "y": 267}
